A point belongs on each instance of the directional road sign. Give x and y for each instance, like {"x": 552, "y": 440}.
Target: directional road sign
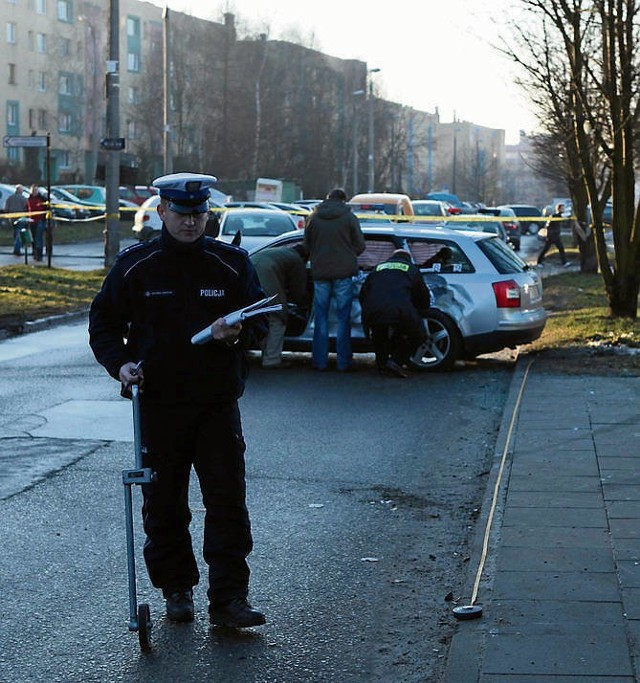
{"x": 25, "y": 141}
{"x": 112, "y": 144}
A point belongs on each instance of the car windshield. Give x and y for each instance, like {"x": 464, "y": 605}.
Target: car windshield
{"x": 258, "y": 224}
{"x": 427, "y": 209}
{"x": 503, "y": 258}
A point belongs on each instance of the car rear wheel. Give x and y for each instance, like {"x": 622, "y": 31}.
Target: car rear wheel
{"x": 443, "y": 346}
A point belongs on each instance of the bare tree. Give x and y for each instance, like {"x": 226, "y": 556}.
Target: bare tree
{"x": 583, "y": 73}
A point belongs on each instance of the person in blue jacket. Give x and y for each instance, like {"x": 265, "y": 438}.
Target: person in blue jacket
{"x": 155, "y": 298}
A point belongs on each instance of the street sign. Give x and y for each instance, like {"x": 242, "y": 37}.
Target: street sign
{"x": 24, "y": 141}
{"x": 112, "y": 144}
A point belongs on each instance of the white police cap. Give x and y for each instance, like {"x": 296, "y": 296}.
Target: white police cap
{"x": 186, "y": 192}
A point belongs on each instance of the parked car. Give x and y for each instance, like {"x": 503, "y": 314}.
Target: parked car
{"x": 256, "y": 226}
{"x": 64, "y": 206}
{"x": 510, "y": 222}
{"x": 146, "y": 220}
{"x": 493, "y": 227}
{"x": 298, "y": 212}
{"x": 94, "y": 198}
{"x": 484, "y": 296}
{"x": 137, "y": 194}
{"x": 523, "y": 212}
{"x": 308, "y": 203}
{"x": 398, "y": 206}
{"x": 430, "y": 208}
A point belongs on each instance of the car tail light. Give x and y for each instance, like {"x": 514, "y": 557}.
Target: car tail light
{"x": 507, "y": 294}
{"x": 300, "y": 223}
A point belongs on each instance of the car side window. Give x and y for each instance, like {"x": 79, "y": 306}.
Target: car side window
{"x": 376, "y": 251}
{"x": 439, "y": 256}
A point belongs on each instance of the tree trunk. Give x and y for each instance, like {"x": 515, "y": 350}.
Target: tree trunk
{"x": 623, "y": 297}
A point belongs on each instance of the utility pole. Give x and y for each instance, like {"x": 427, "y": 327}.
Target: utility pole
{"x": 112, "y": 150}
{"x": 166, "y": 66}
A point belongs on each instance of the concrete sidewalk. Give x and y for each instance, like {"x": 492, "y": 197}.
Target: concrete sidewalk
{"x": 79, "y": 256}
{"x": 560, "y": 585}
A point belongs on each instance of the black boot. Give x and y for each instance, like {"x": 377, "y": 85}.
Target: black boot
{"x": 236, "y": 613}
{"x": 180, "y": 605}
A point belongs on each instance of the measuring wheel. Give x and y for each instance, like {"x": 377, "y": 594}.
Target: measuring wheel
{"x": 144, "y": 626}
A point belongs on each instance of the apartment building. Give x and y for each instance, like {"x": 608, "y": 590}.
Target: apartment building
{"x": 54, "y": 54}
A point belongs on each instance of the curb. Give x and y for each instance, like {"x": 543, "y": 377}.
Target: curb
{"x": 28, "y": 326}
{"x": 466, "y": 652}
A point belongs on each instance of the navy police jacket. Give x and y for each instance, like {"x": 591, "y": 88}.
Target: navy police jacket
{"x": 392, "y": 291}
{"x": 156, "y": 296}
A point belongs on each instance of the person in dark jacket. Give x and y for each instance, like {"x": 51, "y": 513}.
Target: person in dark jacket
{"x": 554, "y": 236}
{"x": 156, "y": 296}
{"x": 333, "y": 239}
{"x": 17, "y": 204}
{"x": 281, "y": 271}
{"x": 394, "y": 300}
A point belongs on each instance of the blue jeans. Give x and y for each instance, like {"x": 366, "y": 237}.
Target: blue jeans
{"x": 323, "y": 292}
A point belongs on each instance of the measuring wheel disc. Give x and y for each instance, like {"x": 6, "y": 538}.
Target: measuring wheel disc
{"x": 144, "y": 625}
{"x": 466, "y": 612}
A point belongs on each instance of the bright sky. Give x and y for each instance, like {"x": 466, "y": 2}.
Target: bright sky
{"x": 432, "y": 53}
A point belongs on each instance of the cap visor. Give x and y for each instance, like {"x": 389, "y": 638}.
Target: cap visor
{"x": 189, "y": 208}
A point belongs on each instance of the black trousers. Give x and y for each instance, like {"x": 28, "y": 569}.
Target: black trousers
{"x": 209, "y": 438}
{"x": 398, "y": 340}
{"x": 553, "y": 240}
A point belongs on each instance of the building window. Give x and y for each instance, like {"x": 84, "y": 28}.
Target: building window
{"x": 133, "y": 27}
{"x": 64, "y": 122}
{"x": 42, "y": 81}
{"x": 41, "y": 42}
{"x": 64, "y": 159}
{"x": 65, "y": 47}
{"x": 30, "y": 41}
{"x": 31, "y": 79}
{"x": 133, "y": 62}
{"x": 64, "y": 10}
{"x": 13, "y": 155}
{"x": 12, "y": 115}
{"x": 12, "y": 74}
{"x": 42, "y": 119}
{"x": 134, "y": 95}
{"x": 11, "y": 32}
{"x": 132, "y": 130}
{"x": 64, "y": 84}
{"x": 32, "y": 119}
{"x": 41, "y": 6}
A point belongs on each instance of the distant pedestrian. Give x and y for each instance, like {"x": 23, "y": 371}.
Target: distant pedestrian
{"x": 281, "y": 271}
{"x": 37, "y": 216}
{"x": 394, "y": 300}
{"x": 16, "y": 203}
{"x": 334, "y": 240}
{"x": 554, "y": 236}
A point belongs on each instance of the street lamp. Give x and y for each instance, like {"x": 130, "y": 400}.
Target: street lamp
{"x": 356, "y": 93}
{"x": 371, "y": 140}
{"x": 166, "y": 68}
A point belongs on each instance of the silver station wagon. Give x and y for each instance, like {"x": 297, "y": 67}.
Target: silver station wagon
{"x": 484, "y": 297}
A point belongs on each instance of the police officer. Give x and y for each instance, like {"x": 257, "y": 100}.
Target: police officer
{"x": 157, "y": 296}
{"x": 394, "y": 300}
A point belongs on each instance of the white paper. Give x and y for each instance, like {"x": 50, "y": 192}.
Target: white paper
{"x": 233, "y": 318}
